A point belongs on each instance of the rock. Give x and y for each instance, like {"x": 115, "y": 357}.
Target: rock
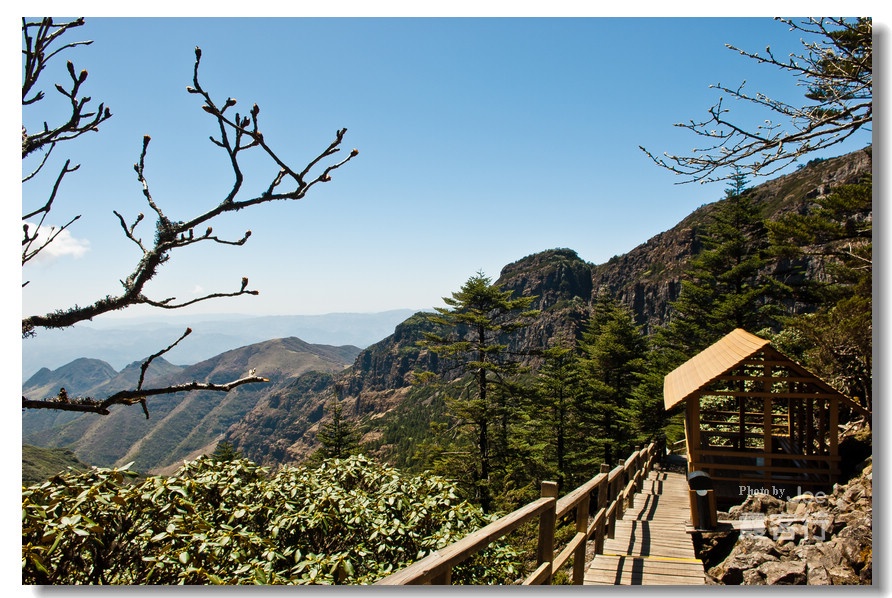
{"x": 749, "y": 553}
{"x": 843, "y": 576}
{"x": 753, "y": 577}
{"x": 856, "y": 545}
{"x": 762, "y": 503}
{"x": 813, "y": 539}
{"x": 821, "y": 526}
{"x": 788, "y": 573}
{"x": 819, "y": 556}
{"x": 866, "y": 574}
{"x": 818, "y": 576}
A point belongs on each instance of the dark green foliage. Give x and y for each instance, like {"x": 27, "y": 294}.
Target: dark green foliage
{"x": 225, "y": 452}
{"x": 338, "y": 435}
{"x": 479, "y": 316}
{"x": 835, "y": 340}
{"x": 613, "y": 349}
{"x": 348, "y": 521}
{"x": 553, "y": 416}
{"x": 726, "y": 285}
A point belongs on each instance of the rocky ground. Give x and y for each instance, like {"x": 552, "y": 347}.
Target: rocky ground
{"x": 813, "y": 540}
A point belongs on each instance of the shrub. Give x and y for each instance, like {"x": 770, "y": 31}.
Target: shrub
{"x": 348, "y": 521}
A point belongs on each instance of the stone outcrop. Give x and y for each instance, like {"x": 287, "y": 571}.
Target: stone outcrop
{"x": 809, "y": 539}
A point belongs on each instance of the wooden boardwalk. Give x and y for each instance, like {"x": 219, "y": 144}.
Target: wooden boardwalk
{"x": 650, "y": 545}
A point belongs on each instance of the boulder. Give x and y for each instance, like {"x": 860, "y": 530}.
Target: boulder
{"x": 855, "y": 542}
{"x": 789, "y": 573}
{"x": 819, "y": 556}
{"x": 749, "y": 553}
{"x": 759, "y": 503}
{"x": 753, "y": 577}
{"x": 843, "y": 576}
{"x": 818, "y": 576}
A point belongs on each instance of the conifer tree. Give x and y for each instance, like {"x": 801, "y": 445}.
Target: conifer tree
{"x": 725, "y": 286}
{"x": 476, "y": 322}
{"x": 339, "y": 436}
{"x": 553, "y": 418}
{"x": 835, "y": 232}
{"x": 613, "y": 349}
{"x": 225, "y": 452}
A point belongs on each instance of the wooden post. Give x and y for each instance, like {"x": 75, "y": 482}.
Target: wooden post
{"x": 546, "y": 528}
{"x": 834, "y": 438}
{"x": 612, "y": 505}
{"x": 692, "y": 432}
{"x": 603, "y": 490}
{"x": 443, "y": 579}
{"x": 768, "y": 419}
{"x": 579, "y": 553}
{"x": 620, "y": 481}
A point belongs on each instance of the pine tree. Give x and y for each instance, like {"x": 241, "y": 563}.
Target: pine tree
{"x": 725, "y": 285}
{"x": 476, "y": 321}
{"x": 225, "y": 451}
{"x": 339, "y": 436}
{"x": 835, "y": 340}
{"x": 613, "y": 350}
{"x": 552, "y": 414}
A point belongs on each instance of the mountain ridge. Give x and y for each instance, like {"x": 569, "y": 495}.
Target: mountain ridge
{"x": 181, "y": 423}
{"x": 647, "y": 279}
{"x": 277, "y": 424}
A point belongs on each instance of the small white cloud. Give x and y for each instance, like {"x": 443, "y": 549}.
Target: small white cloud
{"x": 198, "y": 290}
{"x": 63, "y": 245}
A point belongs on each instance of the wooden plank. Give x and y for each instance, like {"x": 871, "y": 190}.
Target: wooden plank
{"x": 539, "y": 576}
{"x": 651, "y": 545}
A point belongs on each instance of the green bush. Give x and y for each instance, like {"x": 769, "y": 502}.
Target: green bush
{"x": 348, "y": 521}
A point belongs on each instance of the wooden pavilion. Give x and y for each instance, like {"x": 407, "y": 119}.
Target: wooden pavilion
{"x": 756, "y": 421}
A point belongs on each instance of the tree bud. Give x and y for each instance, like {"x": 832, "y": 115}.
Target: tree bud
{"x": 355, "y": 152}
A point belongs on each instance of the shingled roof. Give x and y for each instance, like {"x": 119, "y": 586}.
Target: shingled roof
{"x": 709, "y": 364}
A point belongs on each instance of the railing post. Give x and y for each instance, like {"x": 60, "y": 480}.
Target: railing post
{"x": 621, "y": 480}
{"x": 547, "y": 522}
{"x": 581, "y": 527}
{"x": 634, "y": 477}
{"x": 603, "y": 491}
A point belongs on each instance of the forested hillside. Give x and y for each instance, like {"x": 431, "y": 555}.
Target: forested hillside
{"x": 382, "y": 394}
{"x": 398, "y": 416}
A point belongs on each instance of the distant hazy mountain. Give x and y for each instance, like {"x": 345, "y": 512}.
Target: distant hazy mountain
{"x": 122, "y": 341}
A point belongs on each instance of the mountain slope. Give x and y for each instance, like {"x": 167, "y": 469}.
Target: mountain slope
{"x": 40, "y": 464}
{"x": 120, "y": 341}
{"x": 183, "y": 423}
{"x": 648, "y": 279}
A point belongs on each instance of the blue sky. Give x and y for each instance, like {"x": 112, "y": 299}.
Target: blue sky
{"x": 481, "y": 141}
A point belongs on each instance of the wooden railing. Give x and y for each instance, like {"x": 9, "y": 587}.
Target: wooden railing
{"x": 614, "y": 490}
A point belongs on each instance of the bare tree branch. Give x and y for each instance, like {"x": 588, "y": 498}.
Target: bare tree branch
{"x": 836, "y": 71}
{"x": 236, "y": 135}
{"x": 131, "y": 397}
{"x": 37, "y": 53}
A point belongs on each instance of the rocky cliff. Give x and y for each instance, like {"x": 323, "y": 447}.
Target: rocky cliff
{"x": 648, "y": 279}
